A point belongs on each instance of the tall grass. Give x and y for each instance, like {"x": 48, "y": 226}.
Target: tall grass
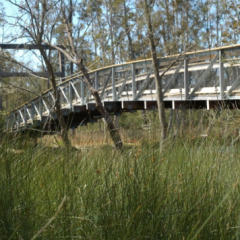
{"x": 189, "y": 191}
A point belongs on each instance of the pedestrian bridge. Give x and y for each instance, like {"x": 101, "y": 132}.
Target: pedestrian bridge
{"x": 202, "y": 79}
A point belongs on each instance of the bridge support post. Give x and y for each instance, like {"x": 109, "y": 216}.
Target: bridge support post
{"x": 208, "y": 105}
{"x": 186, "y": 77}
{"x": 221, "y": 76}
{"x": 133, "y": 82}
{"x": 114, "y": 96}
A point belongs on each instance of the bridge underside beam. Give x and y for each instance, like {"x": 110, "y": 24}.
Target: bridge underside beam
{"x": 81, "y": 115}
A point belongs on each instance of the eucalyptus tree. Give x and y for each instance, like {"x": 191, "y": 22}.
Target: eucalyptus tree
{"x": 128, "y": 17}
{"x": 125, "y": 21}
{"x": 1, "y": 24}
{"x": 159, "y": 94}
{"x": 176, "y": 24}
{"x": 111, "y": 13}
{"x": 157, "y": 45}
{"x": 213, "y": 23}
{"x": 228, "y": 22}
{"x": 37, "y": 20}
{"x": 73, "y": 55}
{"x": 94, "y": 31}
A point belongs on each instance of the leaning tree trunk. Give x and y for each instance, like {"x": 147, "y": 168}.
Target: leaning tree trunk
{"x": 63, "y": 125}
{"x": 75, "y": 58}
{"x": 99, "y": 106}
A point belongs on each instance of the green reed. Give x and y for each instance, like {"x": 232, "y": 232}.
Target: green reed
{"x": 189, "y": 191}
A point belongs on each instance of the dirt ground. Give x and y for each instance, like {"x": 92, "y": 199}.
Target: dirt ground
{"x": 95, "y": 138}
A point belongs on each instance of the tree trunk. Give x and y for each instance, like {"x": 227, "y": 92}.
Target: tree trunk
{"x": 111, "y": 32}
{"x": 79, "y": 62}
{"x": 63, "y": 125}
{"x": 130, "y": 46}
{"x": 144, "y": 117}
{"x": 158, "y": 80}
{"x": 107, "y": 118}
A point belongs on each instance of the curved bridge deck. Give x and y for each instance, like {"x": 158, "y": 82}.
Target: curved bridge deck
{"x": 202, "y": 79}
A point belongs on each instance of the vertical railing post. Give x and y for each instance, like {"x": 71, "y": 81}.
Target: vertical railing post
{"x": 221, "y": 76}
{"x": 32, "y": 112}
{"x": 96, "y": 80}
{"x": 70, "y": 96}
{"x": 40, "y": 108}
{"x": 133, "y": 82}
{"x": 12, "y": 121}
{"x": 186, "y": 78}
{"x": 19, "y": 118}
{"x": 7, "y": 123}
{"x": 82, "y": 92}
{"x": 114, "y": 96}
{"x": 234, "y": 71}
{"x": 25, "y": 115}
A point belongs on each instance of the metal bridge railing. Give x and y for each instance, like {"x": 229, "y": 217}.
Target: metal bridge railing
{"x": 201, "y": 75}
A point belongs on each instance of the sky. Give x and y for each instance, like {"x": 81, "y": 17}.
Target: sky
{"x": 10, "y": 29}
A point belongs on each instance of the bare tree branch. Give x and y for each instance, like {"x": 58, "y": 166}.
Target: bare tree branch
{"x": 62, "y": 51}
{"x": 21, "y": 88}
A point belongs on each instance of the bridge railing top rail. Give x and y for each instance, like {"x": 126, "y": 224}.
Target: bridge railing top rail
{"x": 194, "y": 55}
